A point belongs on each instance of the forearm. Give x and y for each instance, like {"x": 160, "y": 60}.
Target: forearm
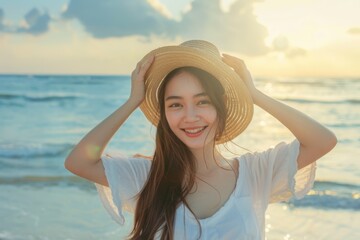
{"x": 309, "y": 132}
{"x": 315, "y": 139}
{"x": 90, "y": 148}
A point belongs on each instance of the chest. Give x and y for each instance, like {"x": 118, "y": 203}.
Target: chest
{"x": 236, "y": 220}
{"x": 210, "y": 194}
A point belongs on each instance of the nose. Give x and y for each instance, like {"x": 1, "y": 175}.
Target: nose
{"x": 191, "y": 114}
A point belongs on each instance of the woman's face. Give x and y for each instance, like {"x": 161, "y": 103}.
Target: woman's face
{"x": 189, "y": 111}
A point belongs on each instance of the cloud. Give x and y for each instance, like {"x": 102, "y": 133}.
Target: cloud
{"x": 295, "y": 52}
{"x": 1, "y": 19}
{"x": 34, "y": 23}
{"x": 113, "y": 18}
{"x": 354, "y": 31}
{"x": 280, "y": 43}
{"x": 234, "y": 30}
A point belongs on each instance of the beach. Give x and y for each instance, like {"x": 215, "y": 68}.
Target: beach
{"x": 44, "y": 116}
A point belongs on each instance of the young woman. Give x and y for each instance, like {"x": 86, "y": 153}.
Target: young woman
{"x": 198, "y": 99}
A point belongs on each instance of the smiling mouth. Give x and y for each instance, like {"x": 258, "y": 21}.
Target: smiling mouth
{"x": 194, "y": 132}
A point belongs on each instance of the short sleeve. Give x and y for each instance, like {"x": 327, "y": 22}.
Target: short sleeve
{"x": 126, "y": 177}
{"x": 275, "y": 175}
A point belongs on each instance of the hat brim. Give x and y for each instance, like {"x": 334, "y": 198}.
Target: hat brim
{"x": 238, "y": 99}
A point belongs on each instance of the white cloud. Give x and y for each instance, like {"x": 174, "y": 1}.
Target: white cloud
{"x": 34, "y": 23}
{"x": 162, "y": 9}
{"x": 235, "y": 30}
{"x": 113, "y": 18}
{"x": 296, "y": 52}
{"x": 281, "y": 44}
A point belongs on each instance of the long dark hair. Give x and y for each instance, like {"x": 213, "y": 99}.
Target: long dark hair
{"x": 172, "y": 173}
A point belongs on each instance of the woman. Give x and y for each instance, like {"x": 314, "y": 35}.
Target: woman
{"x": 188, "y": 190}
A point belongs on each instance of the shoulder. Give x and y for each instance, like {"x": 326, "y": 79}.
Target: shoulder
{"x": 119, "y": 157}
{"x": 118, "y": 162}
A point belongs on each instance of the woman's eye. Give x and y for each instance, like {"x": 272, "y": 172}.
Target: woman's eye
{"x": 174, "y": 105}
{"x": 204, "y": 102}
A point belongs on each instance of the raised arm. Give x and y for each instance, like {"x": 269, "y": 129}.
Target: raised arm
{"x": 85, "y": 159}
{"x": 315, "y": 139}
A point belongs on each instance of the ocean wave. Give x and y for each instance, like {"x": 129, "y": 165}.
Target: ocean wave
{"x": 326, "y": 200}
{"x": 33, "y": 150}
{"x": 45, "y": 76}
{"x": 37, "y": 98}
{"x": 48, "y": 181}
{"x": 344, "y": 125}
{"x": 8, "y": 96}
{"x": 330, "y": 195}
{"x": 313, "y": 81}
{"x": 12, "y": 104}
{"x": 79, "y": 79}
{"x": 318, "y": 101}
{"x": 48, "y": 98}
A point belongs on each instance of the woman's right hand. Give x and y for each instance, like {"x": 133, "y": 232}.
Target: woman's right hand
{"x": 85, "y": 159}
{"x": 137, "y": 79}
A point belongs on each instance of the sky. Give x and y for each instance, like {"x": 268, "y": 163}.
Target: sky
{"x": 275, "y": 38}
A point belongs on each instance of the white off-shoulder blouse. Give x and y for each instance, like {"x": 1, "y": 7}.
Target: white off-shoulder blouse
{"x": 264, "y": 177}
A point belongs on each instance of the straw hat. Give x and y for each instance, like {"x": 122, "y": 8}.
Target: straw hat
{"x": 203, "y": 55}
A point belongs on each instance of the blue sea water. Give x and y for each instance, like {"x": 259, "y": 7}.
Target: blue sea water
{"x": 42, "y": 117}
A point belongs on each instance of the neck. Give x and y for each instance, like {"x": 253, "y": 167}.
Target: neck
{"x": 207, "y": 159}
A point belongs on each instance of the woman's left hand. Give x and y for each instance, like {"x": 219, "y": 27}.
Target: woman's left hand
{"x": 240, "y": 68}
{"x": 315, "y": 142}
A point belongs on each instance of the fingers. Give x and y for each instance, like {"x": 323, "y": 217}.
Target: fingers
{"x": 137, "y": 79}
{"x": 236, "y": 63}
{"x": 143, "y": 66}
{"x": 240, "y": 68}
{"x": 232, "y": 61}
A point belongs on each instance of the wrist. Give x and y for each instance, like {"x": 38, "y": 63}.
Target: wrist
{"x": 134, "y": 102}
{"x": 255, "y": 95}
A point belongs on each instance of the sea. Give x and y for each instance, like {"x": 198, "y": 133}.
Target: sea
{"x": 42, "y": 117}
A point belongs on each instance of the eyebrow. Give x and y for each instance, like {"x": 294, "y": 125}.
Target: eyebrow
{"x": 202, "y": 94}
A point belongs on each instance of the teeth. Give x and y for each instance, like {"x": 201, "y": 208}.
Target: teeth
{"x": 196, "y": 130}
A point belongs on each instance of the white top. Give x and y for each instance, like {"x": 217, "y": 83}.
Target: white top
{"x": 264, "y": 177}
